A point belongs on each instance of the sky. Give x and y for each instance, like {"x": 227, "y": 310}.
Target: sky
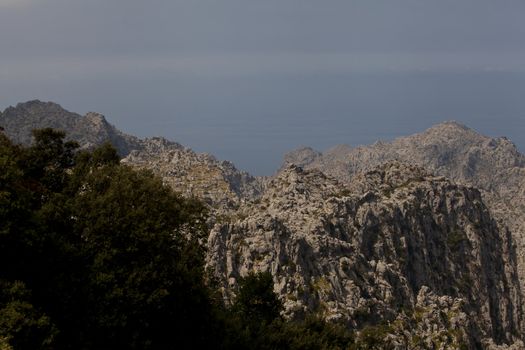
{"x": 248, "y": 80}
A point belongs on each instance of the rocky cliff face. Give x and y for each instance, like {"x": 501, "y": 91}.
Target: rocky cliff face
{"x": 200, "y": 175}
{"x": 492, "y": 165}
{"x": 88, "y": 131}
{"x": 395, "y": 241}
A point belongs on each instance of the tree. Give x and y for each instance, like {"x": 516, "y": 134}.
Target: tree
{"x": 49, "y": 157}
{"x": 256, "y": 301}
{"x": 144, "y": 260}
{"x": 21, "y": 325}
{"x": 109, "y": 256}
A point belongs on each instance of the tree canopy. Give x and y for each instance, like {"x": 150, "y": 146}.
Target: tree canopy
{"x": 95, "y": 254}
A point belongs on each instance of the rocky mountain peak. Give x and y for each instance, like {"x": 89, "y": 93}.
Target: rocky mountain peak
{"x": 394, "y": 174}
{"x": 191, "y": 173}
{"x": 492, "y": 165}
{"x": 364, "y": 248}
{"x": 97, "y": 119}
{"x": 301, "y": 156}
{"x": 218, "y": 183}
{"x": 89, "y": 131}
{"x": 161, "y": 144}
{"x": 449, "y": 125}
{"x": 294, "y": 179}
{"x": 37, "y": 106}
{"x": 296, "y": 191}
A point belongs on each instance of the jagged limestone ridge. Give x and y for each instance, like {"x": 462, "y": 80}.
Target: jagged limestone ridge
{"x": 494, "y": 165}
{"x": 89, "y": 131}
{"x": 364, "y": 251}
{"x": 219, "y": 183}
{"x": 368, "y": 284}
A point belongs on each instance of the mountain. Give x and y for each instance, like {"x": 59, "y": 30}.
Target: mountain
{"x": 371, "y": 250}
{"x": 89, "y": 130}
{"x": 493, "y": 165}
{"x": 218, "y": 183}
{"x": 449, "y": 149}
{"x": 421, "y": 237}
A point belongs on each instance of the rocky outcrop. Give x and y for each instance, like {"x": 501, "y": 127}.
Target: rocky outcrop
{"x": 449, "y": 149}
{"x": 364, "y": 252}
{"x": 493, "y": 165}
{"x": 89, "y": 131}
{"x": 199, "y": 175}
{"x": 302, "y": 157}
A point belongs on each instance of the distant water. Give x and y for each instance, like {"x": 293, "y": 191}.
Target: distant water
{"x": 252, "y": 120}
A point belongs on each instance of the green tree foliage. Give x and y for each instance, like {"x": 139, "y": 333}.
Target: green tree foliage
{"x": 255, "y": 322}
{"x": 309, "y": 334}
{"x": 137, "y": 238}
{"x": 48, "y": 159}
{"x": 111, "y": 256}
{"x": 21, "y": 325}
{"x": 372, "y": 338}
{"x": 256, "y": 300}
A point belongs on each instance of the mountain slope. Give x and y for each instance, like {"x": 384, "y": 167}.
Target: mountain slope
{"x": 449, "y": 149}
{"x": 219, "y": 183}
{"x": 356, "y": 237}
{"x": 365, "y": 251}
{"x": 492, "y": 165}
{"x": 88, "y": 131}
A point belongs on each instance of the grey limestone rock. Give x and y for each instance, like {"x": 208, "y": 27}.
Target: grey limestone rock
{"x": 493, "y": 165}
{"x": 89, "y": 131}
{"x": 193, "y": 174}
{"x": 364, "y": 251}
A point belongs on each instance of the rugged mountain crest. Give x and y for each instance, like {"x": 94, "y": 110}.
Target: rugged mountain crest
{"x": 88, "y": 131}
{"x": 449, "y": 149}
{"x": 364, "y": 251}
{"x": 493, "y": 165}
{"x": 219, "y": 183}
{"x": 302, "y": 157}
{"x": 360, "y": 235}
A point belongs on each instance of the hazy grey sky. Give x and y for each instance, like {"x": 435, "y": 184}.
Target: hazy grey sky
{"x": 248, "y": 80}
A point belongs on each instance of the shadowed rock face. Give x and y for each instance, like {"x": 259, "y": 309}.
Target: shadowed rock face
{"x": 364, "y": 251}
{"x": 492, "y": 165}
{"x": 90, "y": 130}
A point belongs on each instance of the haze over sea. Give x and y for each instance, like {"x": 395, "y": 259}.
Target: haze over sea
{"x": 248, "y": 81}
